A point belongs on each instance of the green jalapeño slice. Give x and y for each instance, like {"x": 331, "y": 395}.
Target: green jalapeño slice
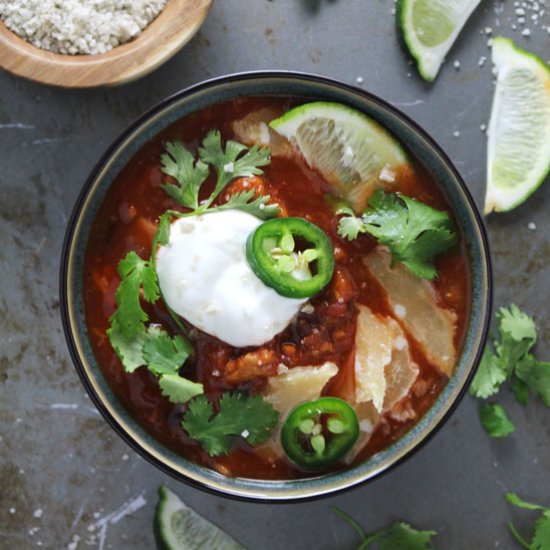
{"x": 291, "y": 255}
{"x": 318, "y": 433}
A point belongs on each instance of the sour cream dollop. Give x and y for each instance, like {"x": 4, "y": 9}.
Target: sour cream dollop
{"x": 204, "y": 277}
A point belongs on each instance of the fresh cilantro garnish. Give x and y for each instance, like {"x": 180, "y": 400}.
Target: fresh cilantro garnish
{"x": 129, "y": 350}
{"x": 510, "y": 360}
{"x": 179, "y": 389}
{"x": 163, "y": 354}
{"x": 541, "y": 534}
{"x": 489, "y": 377}
{"x": 136, "y": 275}
{"x": 258, "y": 207}
{"x": 495, "y": 420}
{"x": 414, "y": 232}
{"x": 240, "y": 415}
{"x": 398, "y": 536}
{"x": 235, "y": 161}
{"x": 179, "y": 163}
{"x": 536, "y": 375}
{"x": 138, "y": 345}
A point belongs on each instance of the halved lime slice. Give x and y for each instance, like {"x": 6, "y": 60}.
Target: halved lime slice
{"x": 354, "y": 154}
{"x": 518, "y": 155}
{"x": 429, "y": 29}
{"x": 178, "y": 527}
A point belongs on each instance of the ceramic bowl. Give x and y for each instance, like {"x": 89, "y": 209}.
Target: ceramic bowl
{"x": 176, "y": 24}
{"x": 311, "y": 88}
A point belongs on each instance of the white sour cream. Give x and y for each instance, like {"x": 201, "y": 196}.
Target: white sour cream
{"x": 205, "y": 278}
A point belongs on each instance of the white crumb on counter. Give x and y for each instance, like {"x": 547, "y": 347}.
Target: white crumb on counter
{"x": 79, "y": 26}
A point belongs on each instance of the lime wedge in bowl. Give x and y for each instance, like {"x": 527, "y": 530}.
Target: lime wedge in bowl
{"x": 430, "y": 27}
{"x": 518, "y": 155}
{"x": 354, "y": 154}
{"x": 178, "y": 527}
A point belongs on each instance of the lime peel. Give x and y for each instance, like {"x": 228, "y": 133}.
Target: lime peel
{"x": 178, "y": 527}
{"x": 353, "y": 152}
{"x": 518, "y": 156}
{"x": 429, "y": 28}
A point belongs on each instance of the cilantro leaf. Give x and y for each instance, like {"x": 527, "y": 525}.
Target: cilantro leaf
{"x": 401, "y": 535}
{"x": 162, "y": 237}
{"x": 513, "y": 499}
{"x": 179, "y": 389}
{"x": 541, "y": 538}
{"x": 489, "y": 377}
{"x": 236, "y": 161}
{"x": 163, "y": 354}
{"x": 518, "y": 334}
{"x": 541, "y": 535}
{"x": 129, "y": 350}
{"x": 245, "y": 201}
{"x": 536, "y": 374}
{"x": 414, "y": 232}
{"x": 350, "y": 226}
{"x": 398, "y": 536}
{"x": 520, "y": 390}
{"x": 495, "y": 420}
{"x": 136, "y": 274}
{"x": 180, "y": 164}
{"x": 249, "y": 417}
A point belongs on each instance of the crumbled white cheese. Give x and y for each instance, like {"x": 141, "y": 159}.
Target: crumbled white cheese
{"x": 245, "y": 434}
{"x": 79, "y": 26}
{"x": 229, "y": 168}
{"x": 387, "y": 174}
{"x": 400, "y": 311}
{"x": 282, "y": 369}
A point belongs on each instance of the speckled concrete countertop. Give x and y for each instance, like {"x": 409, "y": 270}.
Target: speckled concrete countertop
{"x": 66, "y": 479}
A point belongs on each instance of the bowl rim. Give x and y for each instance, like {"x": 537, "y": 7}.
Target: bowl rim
{"x": 122, "y": 64}
{"x": 304, "y": 493}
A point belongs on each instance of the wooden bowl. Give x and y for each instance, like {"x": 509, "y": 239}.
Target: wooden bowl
{"x": 169, "y": 32}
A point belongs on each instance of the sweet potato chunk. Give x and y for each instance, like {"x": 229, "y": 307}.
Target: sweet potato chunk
{"x": 255, "y": 364}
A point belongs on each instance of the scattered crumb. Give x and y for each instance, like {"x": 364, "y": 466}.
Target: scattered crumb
{"x": 532, "y": 226}
{"x": 456, "y": 64}
{"x": 38, "y": 513}
{"x": 359, "y": 80}
{"x": 456, "y": 134}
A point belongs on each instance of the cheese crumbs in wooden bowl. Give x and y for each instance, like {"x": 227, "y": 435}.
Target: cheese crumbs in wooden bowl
{"x": 83, "y": 43}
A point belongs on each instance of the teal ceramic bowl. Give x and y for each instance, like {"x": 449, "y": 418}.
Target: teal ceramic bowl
{"x": 311, "y": 88}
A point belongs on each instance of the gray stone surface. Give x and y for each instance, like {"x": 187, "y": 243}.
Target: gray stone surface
{"x": 66, "y": 479}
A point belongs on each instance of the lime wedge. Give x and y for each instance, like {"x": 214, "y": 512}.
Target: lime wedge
{"x": 518, "y": 155}
{"x": 178, "y": 527}
{"x": 430, "y": 27}
{"x": 353, "y": 153}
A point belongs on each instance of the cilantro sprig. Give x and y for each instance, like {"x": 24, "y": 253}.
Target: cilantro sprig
{"x": 510, "y": 359}
{"x": 541, "y": 534}
{"x": 234, "y": 161}
{"x": 398, "y": 536}
{"x": 414, "y": 232}
{"x": 240, "y": 416}
{"x": 136, "y": 343}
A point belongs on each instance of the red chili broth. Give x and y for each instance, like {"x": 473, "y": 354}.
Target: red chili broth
{"x": 125, "y": 221}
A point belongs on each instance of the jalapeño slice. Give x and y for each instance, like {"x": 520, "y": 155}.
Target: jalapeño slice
{"x": 318, "y": 433}
{"x": 291, "y": 255}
